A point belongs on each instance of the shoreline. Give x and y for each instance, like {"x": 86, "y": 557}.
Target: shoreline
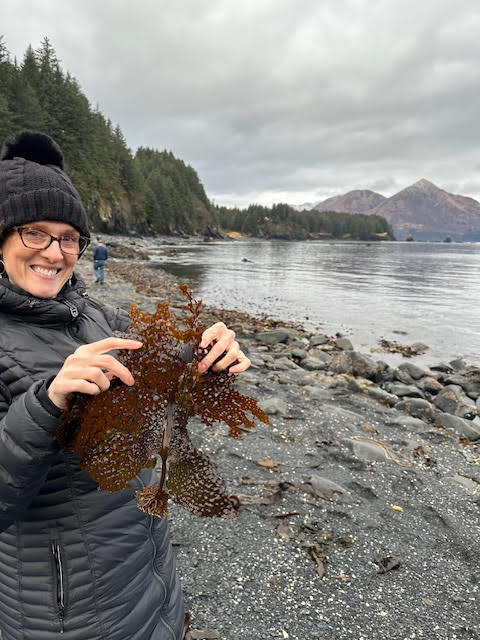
{"x": 359, "y": 502}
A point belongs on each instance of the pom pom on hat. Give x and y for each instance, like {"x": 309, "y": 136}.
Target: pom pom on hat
{"x": 34, "y": 186}
{"x": 33, "y": 146}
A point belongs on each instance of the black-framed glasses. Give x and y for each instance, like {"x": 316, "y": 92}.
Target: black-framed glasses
{"x": 37, "y": 239}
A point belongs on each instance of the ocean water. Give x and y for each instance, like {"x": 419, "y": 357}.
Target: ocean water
{"x": 403, "y": 291}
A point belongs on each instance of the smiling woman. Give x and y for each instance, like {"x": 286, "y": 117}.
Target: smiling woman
{"x": 74, "y": 560}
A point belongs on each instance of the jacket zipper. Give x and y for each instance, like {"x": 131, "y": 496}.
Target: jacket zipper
{"x": 154, "y": 571}
{"x": 60, "y": 575}
{"x": 73, "y": 308}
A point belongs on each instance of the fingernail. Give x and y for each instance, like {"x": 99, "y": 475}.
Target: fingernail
{"x": 202, "y": 366}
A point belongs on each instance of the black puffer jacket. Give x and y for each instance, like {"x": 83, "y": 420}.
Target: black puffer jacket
{"x": 74, "y": 560}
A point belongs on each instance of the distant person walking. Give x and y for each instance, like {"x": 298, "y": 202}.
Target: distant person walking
{"x": 100, "y": 256}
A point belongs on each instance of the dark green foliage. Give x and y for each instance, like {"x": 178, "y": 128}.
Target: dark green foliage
{"x": 282, "y": 221}
{"x": 173, "y": 197}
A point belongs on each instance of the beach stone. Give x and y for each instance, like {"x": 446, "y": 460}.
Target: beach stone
{"x": 257, "y": 362}
{"x": 418, "y": 408}
{"x": 384, "y": 372}
{"x": 467, "y": 483}
{"x": 469, "y": 381}
{"x": 410, "y": 423}
{"x": 430, "y": 385}
{"x": 466, "y": 428}
{"x": 283, "y": 364}
{"x": 299, "y": 352}
{"x": 401, "y": 390}
{"x": 402, "y": 376}
{"x": 382, "y": 396}
{"x": 344, "y": 344}
{"x": 277, "y": 336}
{"x": 313, "y": 364}
{"x": 318, "y": 338}
{"x": 355, "y": 364}
{"x": 458, "y": 364}
{"x": 368, "y": 451}
{"x": 413, "y": 370}
{"x": 320, "y": 354}
{"x": 453, "y": 400}
{"x": 273, "y": 405}
{"x": 326, "y": 489}
{"x": 317, "y": 393}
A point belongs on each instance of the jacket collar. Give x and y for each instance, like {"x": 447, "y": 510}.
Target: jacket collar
{"x": 65, "y": 308}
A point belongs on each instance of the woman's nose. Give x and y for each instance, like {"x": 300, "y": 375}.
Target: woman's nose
{"x": 53, "y": 252}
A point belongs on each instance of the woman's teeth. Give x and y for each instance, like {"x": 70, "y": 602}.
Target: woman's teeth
{"x": 45, "y": 272}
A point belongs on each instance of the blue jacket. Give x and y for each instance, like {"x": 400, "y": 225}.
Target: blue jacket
{"x": 73, "y": 559}
{"x": 100, "y": 252}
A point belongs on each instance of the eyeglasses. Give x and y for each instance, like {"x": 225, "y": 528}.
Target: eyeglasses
{"x": 36, "y": 239}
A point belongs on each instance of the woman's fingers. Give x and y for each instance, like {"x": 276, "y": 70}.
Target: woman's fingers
{"x": 223, "y": 341}
{"x": 225, "y": 352}
{"x": 242, "y": 363}
{"x": 107, "y": 344}
{"x": 89, "y": 369}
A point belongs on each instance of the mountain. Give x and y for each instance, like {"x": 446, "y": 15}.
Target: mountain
{"x": 427, "y": 212}
{"x": 356, "y": 201}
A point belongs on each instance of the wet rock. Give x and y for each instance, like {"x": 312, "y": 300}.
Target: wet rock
{"x": 318, "y": 338}
{"x": 401, "y": 390}
{"x": 316, "y": 393}
{"x": 283, "y": 364}
{"x": 402, "y": 376}
{"x": 257, "y": 362}
{"x": 413, "y": 370}
{"x": 467, "y": 483}
{"x": 273, "y": 405}
{"x": 430, "y": 385}
{"x": 452, "y": 399}
{"x": 458, "y": 364}
{"x": 355, "y": 364}
{"x": 327, "y": 489}
{"x": 344, "y": 344}
{"x": 469, "y": 381}
{"x": 368, "y": 451}
{"x": 299, "y": 353}
{"x": 465, "y": 428}
{"x": 410, "y": 423}
{"x": 313, "y": 364}
{"x": 382, "y": 396}
{"x": 276, "y": 336}
{"x": 384, "y": 372}
{"x": 418, "y": 408}
{"x": 320, "y": 354}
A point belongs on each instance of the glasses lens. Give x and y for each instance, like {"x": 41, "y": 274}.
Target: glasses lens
{"x": 70, "y": 244}
{"x": 34, "y": 238}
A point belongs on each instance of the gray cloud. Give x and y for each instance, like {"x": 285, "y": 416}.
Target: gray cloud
{"x": 275, "y": 100}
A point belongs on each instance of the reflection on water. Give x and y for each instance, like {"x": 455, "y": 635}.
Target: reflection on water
{"x": 367, "y": 290}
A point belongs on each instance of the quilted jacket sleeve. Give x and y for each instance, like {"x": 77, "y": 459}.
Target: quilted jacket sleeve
{"x": 27, "y": 449}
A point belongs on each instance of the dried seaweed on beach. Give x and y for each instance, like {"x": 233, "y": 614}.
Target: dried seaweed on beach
{"x": 122, "y": 430}
{"x": 415, "y": 349}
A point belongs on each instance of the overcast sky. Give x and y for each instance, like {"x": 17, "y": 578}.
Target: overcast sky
{"x": 279, "y": 100}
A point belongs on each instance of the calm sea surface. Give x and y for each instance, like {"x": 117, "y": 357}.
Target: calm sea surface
{"x": 408, "y": 292}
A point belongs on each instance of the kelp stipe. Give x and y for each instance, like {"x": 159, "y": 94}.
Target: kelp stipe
{"x": 122, "y": 430}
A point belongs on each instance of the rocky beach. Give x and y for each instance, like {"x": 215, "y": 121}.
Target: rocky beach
{"x": 359, "y": 504}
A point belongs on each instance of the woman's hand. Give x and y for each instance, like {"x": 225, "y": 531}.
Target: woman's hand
{"x": 224, "y": 344}
{"x": 89, "y": 369}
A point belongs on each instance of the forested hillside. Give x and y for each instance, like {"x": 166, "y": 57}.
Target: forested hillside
{"x": 283, "y": 221}
{"x": 151, "y": 191}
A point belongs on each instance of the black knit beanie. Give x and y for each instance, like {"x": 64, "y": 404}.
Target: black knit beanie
{"x": 33, "y": 185}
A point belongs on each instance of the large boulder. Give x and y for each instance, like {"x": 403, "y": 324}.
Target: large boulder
{"x": 452, "y": 399}
{"x": 355, "y": 364}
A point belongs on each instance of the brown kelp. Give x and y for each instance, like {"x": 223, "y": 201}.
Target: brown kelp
{"x": 124, "y": 429}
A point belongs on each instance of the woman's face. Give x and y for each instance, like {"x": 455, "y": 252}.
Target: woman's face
{"x": 41, "y": 272}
